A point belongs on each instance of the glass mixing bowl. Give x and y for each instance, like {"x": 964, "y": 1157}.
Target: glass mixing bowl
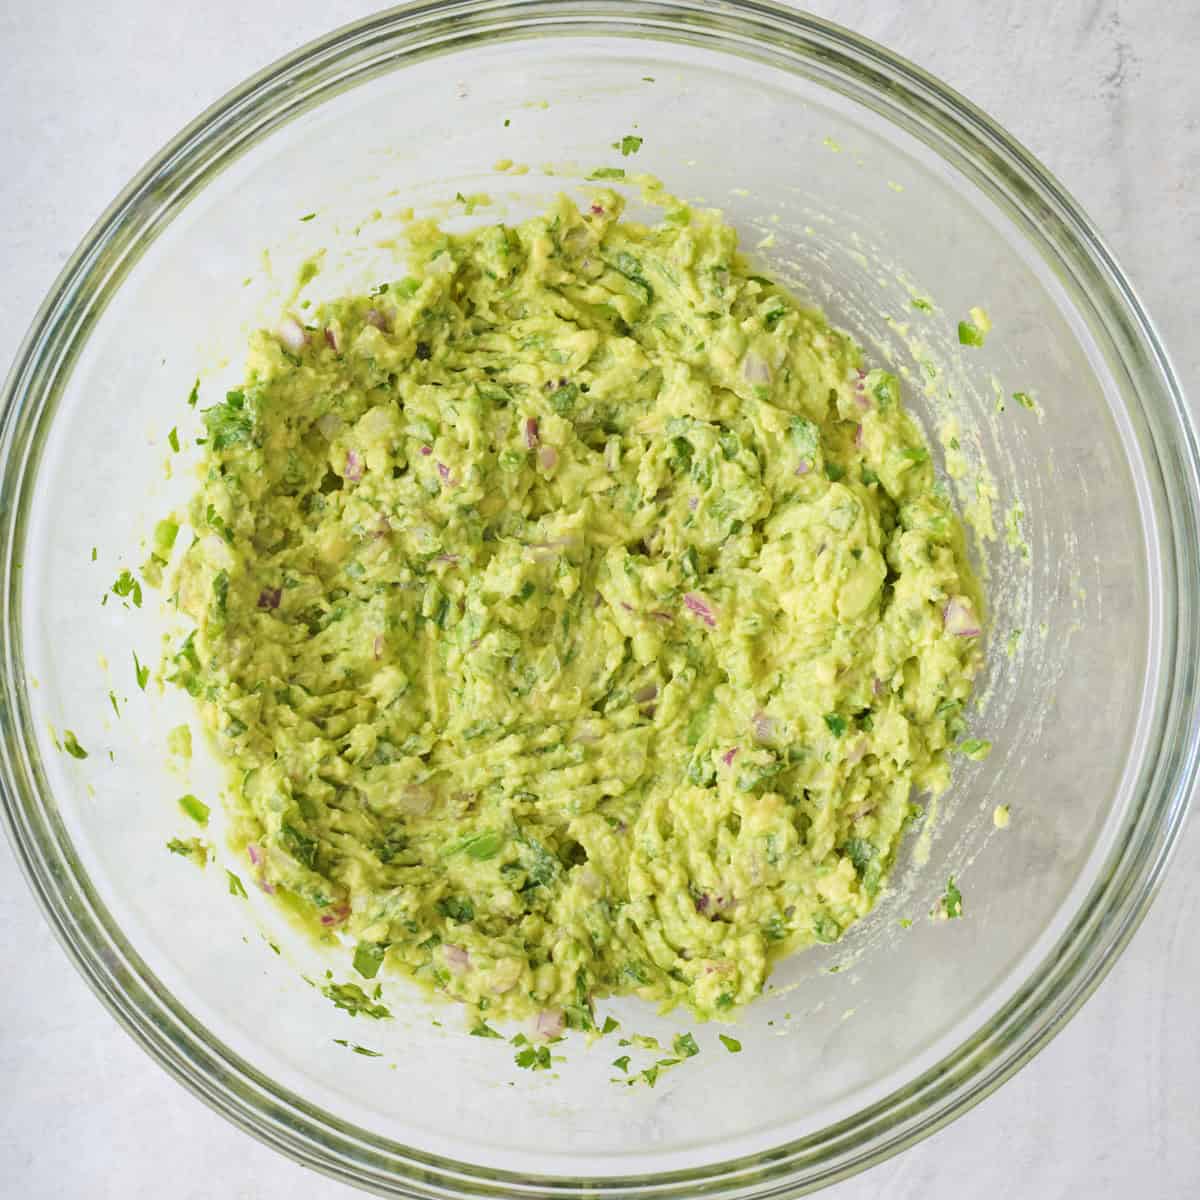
{"x": 865, "y": 184}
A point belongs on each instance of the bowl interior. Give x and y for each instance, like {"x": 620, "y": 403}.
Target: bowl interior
{"x": 855, "y": 212}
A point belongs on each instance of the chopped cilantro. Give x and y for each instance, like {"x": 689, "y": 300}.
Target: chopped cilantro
{"x": 192, "y": 848}
{"x": 142, "y": 673}
{"x": 970, "y": 334}
{"x": 484, "y": 1030}
{"x": 236, "y": 887}
{"x": 1025, "y": 400}
{"x": 685, "y": 1046}
{"x": 112, "y": 699}
{"x": 229, "y": 423}
{"x": 952, "y": 900}
{"x": 173, "y": 440}
{"x": 650, "y": 1075}
{"x": 836, "y": 724}
{"x": 127, "y": 586}
{"x": 622, "y": 1063}
{"x": 922, "y": 304}
{"x": 533, "y": 1058}
{"x": 629, "y": 144}
{"x": 194, "y": 394}
{"x": 611, "y": 1025}
{"x": 353, "y": 1045}
{"x": 308, "y": 216}
{"x": 368, "y": 958}
{"x": 730, "y": 1044}
{"x": 352, "y": 999}
{"x": 608, "y": 173}
{"x": 196, "y": 809}
{"x": 459, "y": 909}
{"x": 70, "y": 743}
{"x": 975, "y": 748}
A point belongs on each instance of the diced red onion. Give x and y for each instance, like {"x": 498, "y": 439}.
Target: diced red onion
{"x": 959, "y": 619}
{"x": 764, "y": 727}
{"x": 858, "y": 436}
{"x": 333, "y": 338}
{"x": 550, "y": 1023}
{"x": 426, "y": 451}
{"x": 646, "y": 694}
{"x": 804, "y": 467}
{"x": 336, "y": 917}
{"x": 877, "y": 686}
{"x": 446, "y": 558}
{"x": 354, "y": 466}
{"x": 269, "y": 598}
{"x": 414, "y": 799}
{"x": 597, "y": 210}
{"x": 292, "y": 334}
{"x": 254, "y": 854}
{"x": 531, "y": 432}
{"x": 665, "y": 617}
{"x": 701, "y": 607}
{"x": 693, "y": 504}
{"x": 378, "y": 319}
{"x": 269, "y": 888}
{"x": 330, "y": 425}
{"x": 728, "y": 757}
{"x": 444, "y": 472}
{"x": 457, "y": 959}
{"x": 548, "y": 458}
{"x": 755, "y": 368}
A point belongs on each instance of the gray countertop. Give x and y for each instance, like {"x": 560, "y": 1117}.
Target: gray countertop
{"x": 1106, "y": 94}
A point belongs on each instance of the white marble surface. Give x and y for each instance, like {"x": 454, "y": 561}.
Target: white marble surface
{"x": 1106, "y": 93}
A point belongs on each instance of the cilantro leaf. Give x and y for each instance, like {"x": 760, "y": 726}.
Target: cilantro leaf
{"x": 368, "y": 958}
{"x": 622, "y": 1063}
{"x": 70, "y": 743}
{"x": 142, "y": 673}
{"x": 970, "y": 334}
{"x": 236, "y": 887}
{"x": 127, "y": 586}
{"x": 629, "y": 144}
{"x": 836, "y": 724}
{"x": 952, "y": 900}
{"x": 194, "y": 394}
{"x": 354, "y": 1045}
{"x": 730, "y": 1044}
{"x": 608, "y": 173}
{"x": 173, "y": 440}
{"x": 611, "y": 1025}
{"x": 196, "y": 809}
{"x": 352, "y": 999}
{"x": 484, "y": 1030}
{"x": 685, "y": 1046}
{"x": 229, "y": 424}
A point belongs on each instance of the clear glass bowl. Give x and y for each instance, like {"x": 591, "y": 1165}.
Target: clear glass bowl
{"x": 860, "y": 180}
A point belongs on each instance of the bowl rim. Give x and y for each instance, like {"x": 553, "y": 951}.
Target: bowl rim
{"x": 962, "y": 135}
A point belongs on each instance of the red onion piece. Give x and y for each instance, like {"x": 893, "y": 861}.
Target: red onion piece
{"x": 531, "y": 433}
{"x": 336, "y": 917}
{"x": 858, "y": 436}
{"x": 959, "y": 619}
{"x": 755, "y": 369}
{"x": 330, "y": 425}
{"x": 764, "y": 727}
{"x": 728, "y": 757}
{"x": 548, "y": 458}
{"x": 426, "y": 451}
{"x": 292, "y": 334}
{"x": 550, "y": 1023}
{"x": 701, "y": 607}
{"x": 597, "y": 210}
{"x": 333, "y": 338}
{"x": 804, "y": 467}
{"x": 269, "y": 598}
{"x": 254, "y": 854}
{"x": 354, "y": 467}
{"x": 444, "y": 472}
{"x": 457, "y": 959}
{"x": 378, "y": 319}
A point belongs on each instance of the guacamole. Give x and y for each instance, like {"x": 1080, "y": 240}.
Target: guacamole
{"x": 577, "y": 614}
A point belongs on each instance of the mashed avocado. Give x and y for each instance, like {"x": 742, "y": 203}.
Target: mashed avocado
{"x": 576, "y": 615}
